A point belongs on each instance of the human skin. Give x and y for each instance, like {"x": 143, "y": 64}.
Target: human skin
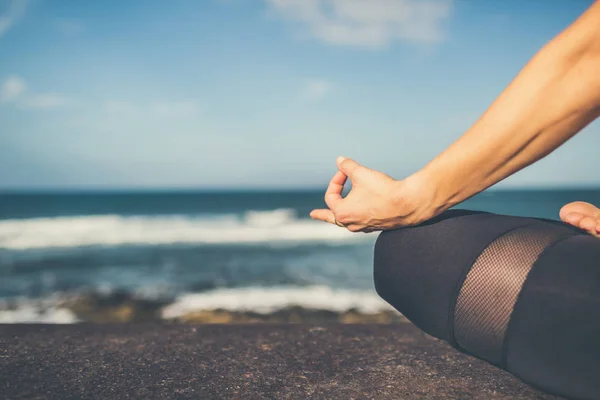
{"x": 551, "y": 99}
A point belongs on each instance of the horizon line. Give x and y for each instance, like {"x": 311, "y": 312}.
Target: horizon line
{"x": 261, "y": 189}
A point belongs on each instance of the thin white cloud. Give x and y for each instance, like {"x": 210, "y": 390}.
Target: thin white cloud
{"x": 366, "y": 23}
{"x": 317, "y": 88}
{"x": 45, "y": 101}
{"x": 12, "y": 11}
{"x": 12, "y": 88}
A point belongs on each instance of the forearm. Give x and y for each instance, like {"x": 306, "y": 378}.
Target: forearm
{"x": 552, "y": 98}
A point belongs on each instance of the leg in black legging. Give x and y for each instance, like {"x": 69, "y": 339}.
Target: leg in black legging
{"x": 520, "y": 293}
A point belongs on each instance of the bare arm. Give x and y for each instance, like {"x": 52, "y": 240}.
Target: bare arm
{"x": 555, "y": 95}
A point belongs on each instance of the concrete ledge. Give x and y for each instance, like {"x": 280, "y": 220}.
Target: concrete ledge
{"x": 243, "y": 361}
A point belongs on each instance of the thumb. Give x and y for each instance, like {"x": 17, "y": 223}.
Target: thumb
{"x": 348, "y": 166}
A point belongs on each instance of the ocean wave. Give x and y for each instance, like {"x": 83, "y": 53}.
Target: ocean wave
{"x": 253, "y": 227}
{"x": 69, "y": 308}
{"x": 36, "y": 312}
{"x": 268, "y": 300}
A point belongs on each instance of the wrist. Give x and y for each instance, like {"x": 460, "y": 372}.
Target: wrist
{"x": 434, "y": 194}
{"x": 450, "y": 185}
{"x": 416, "y": 197}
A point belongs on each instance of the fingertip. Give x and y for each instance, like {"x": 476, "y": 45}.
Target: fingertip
{"x": 563, "y": 213}
{"x": 315, "y": 214}
{"x": 322, "y": 214}
{"x": 572, "y": 218}
{"x": 339, "y": 178}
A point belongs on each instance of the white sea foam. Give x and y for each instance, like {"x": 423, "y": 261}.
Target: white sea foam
{"x": 267, "y": 300}
{"x": 31, "y": 313}
{"x": 249, "y": 299}
{"x": 254, "y": 227}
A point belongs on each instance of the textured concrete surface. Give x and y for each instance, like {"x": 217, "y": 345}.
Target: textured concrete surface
{"x": 148, "y": 361}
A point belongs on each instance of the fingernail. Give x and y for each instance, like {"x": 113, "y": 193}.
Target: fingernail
{"x": 340, "y": 159}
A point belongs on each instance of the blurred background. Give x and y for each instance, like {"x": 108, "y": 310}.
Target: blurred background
{"x": 158, "y": 160}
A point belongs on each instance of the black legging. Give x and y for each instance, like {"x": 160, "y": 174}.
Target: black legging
{"x": 520, "y": 293}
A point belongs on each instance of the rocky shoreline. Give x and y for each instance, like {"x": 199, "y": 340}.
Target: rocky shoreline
{"x": 122, "y": 307}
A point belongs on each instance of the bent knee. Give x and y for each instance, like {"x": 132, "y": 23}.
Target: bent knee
{"x": 402, "y": 255}
{"x": 418, "y": 269}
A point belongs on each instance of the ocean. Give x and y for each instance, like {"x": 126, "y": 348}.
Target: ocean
{"x": 254, "y": 251}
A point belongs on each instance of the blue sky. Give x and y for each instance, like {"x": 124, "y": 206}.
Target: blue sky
{"x": 260, "y": 93}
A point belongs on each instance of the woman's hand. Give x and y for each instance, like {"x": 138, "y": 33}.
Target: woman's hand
{"x": 376, "y": 201}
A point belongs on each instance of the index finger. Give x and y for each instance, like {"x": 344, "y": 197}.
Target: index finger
{"x": 333, "y": 195}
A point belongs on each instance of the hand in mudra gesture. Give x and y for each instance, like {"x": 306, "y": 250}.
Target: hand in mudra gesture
{"x": 375, "y": 202}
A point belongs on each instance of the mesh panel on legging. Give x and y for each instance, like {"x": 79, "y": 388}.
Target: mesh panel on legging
{"x": 490, "y": 290}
